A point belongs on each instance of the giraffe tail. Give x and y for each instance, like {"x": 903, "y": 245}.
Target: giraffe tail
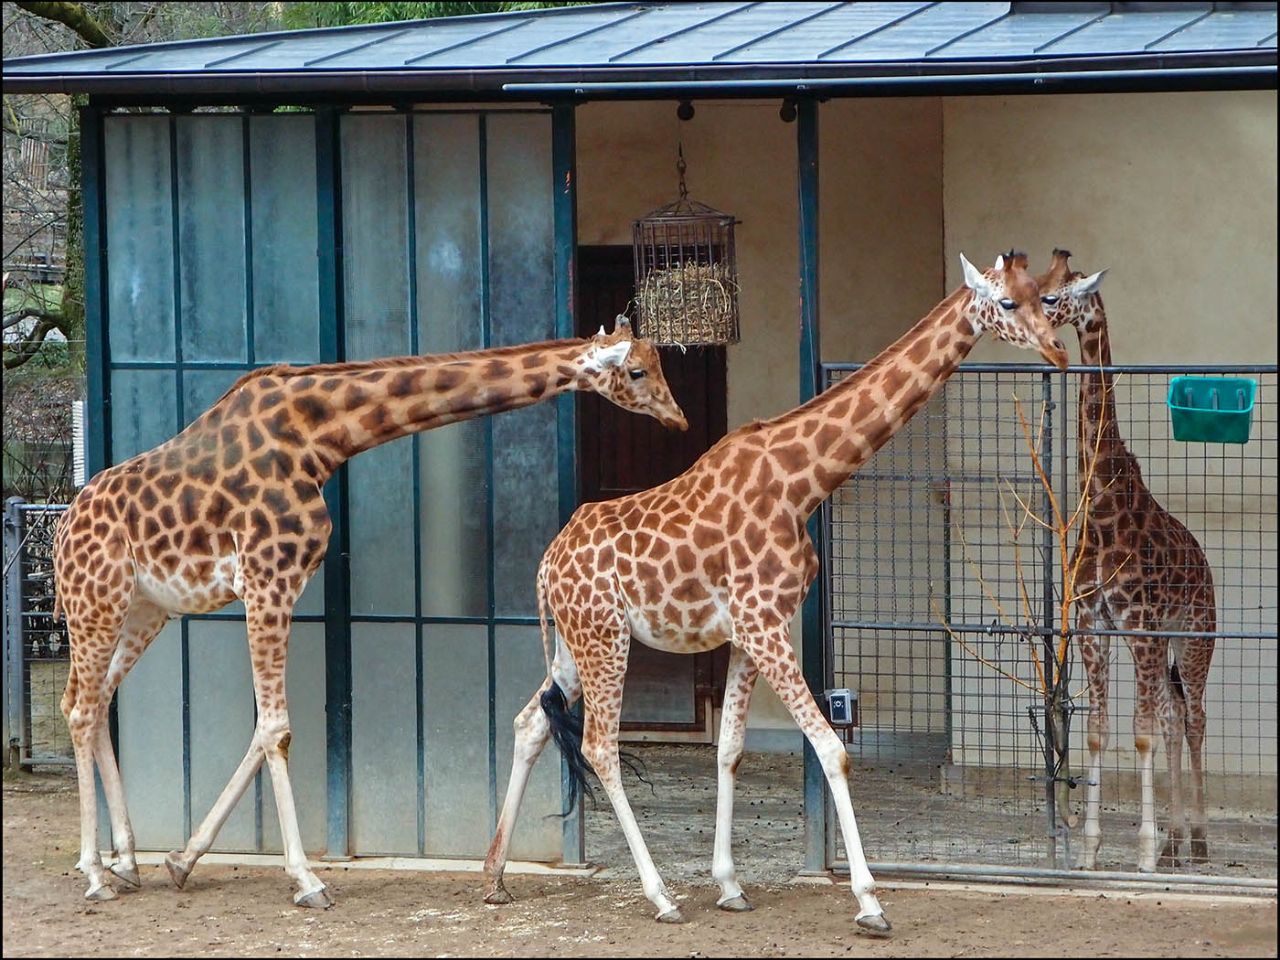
{"x": 541, "y": 589}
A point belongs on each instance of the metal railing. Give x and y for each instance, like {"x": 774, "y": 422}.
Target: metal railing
{"x": 37, "y": 653}
{"x": 961, "y": 766}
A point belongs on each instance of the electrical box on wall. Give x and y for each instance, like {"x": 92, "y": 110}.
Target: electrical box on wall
{"x": 842, "y": 707}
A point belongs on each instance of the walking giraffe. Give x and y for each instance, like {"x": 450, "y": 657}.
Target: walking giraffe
{"x": 232, "y": 508}
{"x": 721, "y": 555}
{"x": 1139, "y": 568}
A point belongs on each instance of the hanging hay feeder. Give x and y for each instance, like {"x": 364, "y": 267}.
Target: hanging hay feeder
{"x": 686, "y": 274}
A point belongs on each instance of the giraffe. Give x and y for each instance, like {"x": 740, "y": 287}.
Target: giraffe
{"x": 1140, "y": 569}
{"x": 720, "y": 554}
{"x": 232, "y": 508}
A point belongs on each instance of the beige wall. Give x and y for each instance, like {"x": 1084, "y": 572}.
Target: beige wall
{"x": 1175, "y": 193}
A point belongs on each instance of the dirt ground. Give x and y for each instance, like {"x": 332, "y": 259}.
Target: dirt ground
{"x": 237, "y": 911}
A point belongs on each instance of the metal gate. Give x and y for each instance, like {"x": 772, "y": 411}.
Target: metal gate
{"x": 957, "y": 768}
{"x": 36, "y": 652}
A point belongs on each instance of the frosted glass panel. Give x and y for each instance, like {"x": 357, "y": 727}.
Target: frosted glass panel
{"x": 384, "y": 739}
{"x": 519, "y": 670}
{"x": 454, "y": 489}
{"x": 455, "y": 696}
{"x": 222, "y": 719}
{"x": 305, "y": 687}
{"x": 452, "y": 463}
{"x": 139, "y": 238}
{"x": 144, "y": 411}
{"x": 447, "y": 210}
{"x": 150, "y": 755}
{"x": 211, "y": 265}
{"x": 522, "y": 307}
{"x": 286, "y": 292}
{"x": 201, "y": 389}
{"x": 381, "y": 524}
{"x": 375, "y": 236}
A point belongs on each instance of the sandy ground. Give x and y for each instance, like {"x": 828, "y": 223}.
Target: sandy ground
{"x": 235, "y": 911}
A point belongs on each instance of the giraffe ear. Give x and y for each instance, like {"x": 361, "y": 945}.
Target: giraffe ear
{"x": 603, "y": 358}
{"x": 1086, "y": 285}
{"x": 973, "y": 278}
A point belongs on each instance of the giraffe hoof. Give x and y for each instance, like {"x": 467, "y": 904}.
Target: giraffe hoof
{"x": 128, "y": 874}
{"x": 875, "y": 923}
{"x": 98, "y": 894}
{"x": 671, "y": 916}
{"x": 177, "y": 872}
{"x": 498, "y": 895}
{"x": 737, "y": 904}
{"x": 316, "y": 899}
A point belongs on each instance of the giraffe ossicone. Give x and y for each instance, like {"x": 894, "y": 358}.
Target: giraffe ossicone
{"x": 721, "y": 554}
{"x": 231, "y": 508}
{"x": 1140, "y": 569}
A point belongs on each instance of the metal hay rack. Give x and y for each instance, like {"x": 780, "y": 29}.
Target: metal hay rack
{"x": 686, "y": 273}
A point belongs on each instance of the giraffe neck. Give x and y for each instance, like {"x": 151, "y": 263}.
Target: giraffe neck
{"x": 1101, "y": 452}
{"x": 848, "y": 423}
{"x": 335, "y": 411}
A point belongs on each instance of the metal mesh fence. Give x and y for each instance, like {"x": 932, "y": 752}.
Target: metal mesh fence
{"x": 949, "y": 758}
{"x": 37, "y": 652}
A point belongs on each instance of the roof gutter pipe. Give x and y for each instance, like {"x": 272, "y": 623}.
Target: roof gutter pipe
{"x": 1047, "y": 81}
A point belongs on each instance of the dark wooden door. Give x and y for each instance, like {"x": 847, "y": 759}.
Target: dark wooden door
{"x": 622, "y": 453}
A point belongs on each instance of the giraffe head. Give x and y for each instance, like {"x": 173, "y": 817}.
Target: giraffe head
{"x": 628, "y": 371}
{"x": 1006, "y": 301}
{"x": 1069, "y": 297}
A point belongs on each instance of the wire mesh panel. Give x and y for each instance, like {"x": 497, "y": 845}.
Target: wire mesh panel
{"x": 37, "y": 654}
{"x": 950, "y": 757}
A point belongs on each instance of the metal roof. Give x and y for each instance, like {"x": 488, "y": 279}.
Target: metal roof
{"x": 679, "y": 46}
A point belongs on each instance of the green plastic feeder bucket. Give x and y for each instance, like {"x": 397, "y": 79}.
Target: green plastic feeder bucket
{"x": 1211, "y": 409}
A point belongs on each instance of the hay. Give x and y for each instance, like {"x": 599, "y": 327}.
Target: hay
{"x": 694, "y": 303}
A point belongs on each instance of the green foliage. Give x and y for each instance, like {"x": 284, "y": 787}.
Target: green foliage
{"x": 302, "y": 15}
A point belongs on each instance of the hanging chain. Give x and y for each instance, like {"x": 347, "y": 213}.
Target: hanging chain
{"x": 680, "y": 169}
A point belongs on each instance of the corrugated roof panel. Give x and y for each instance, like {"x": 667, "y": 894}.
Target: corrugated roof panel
{"x": 500, "y": 46}
{"x": 915, "y": 36}
{"x": 723, "y": 33}
{"x": 1124, "y": 32}
{"x": 756, "y": 41}
{"x": 1014, "y": 36}
{"x": 805, "y": 41}
{"x": 1224, "y": 29}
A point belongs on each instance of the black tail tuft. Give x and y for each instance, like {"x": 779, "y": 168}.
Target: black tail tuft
{"x": 566, "y": 729}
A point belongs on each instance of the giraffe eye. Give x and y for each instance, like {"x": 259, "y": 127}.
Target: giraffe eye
{"x": 636, "y": 374}
{"x": 1007, "y": 304}
{"x": 1050, "y": 300}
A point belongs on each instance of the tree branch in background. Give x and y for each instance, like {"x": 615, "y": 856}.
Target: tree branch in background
{"x": 74, "y": 16}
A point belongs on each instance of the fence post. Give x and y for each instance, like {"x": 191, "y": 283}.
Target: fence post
{"x": 1047, "y": 637}
{"x": 13, "y": 725}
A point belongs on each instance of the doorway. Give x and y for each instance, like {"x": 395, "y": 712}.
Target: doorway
{"x": 667, "y": 696}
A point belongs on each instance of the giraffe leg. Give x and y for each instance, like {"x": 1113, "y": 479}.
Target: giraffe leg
{"x": 1149, "y": 659}
{"x": 86, "y": 711}
{"x": 1095, "y": 652}
{"x": 602, "y": 690}
{"x": 532, "y": 731}
{"x": 1173, "y": 717}
{"x": 733, "y": 731}
{"x": 144, "y": 621}
{"x": 1194, "y": 668}
{"x": 775, "y": 658}
{"x": 268, "y": 609}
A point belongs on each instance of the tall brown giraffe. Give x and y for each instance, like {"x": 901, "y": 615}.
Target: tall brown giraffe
{"x": 232, "y": 508}
{"x": 1140, "y": 569}
{"x": 721, "y": 555}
